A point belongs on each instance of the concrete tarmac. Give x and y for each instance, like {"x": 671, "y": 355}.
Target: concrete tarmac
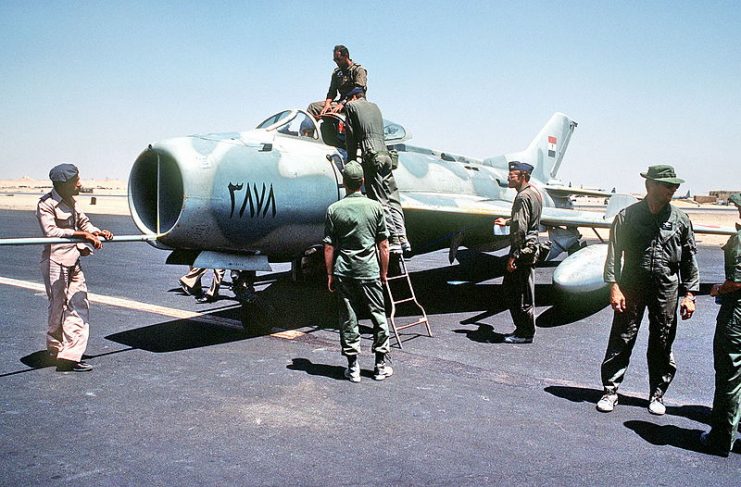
{"x": 182, "y": 395}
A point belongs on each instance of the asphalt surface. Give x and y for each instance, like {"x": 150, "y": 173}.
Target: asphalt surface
{"x": 180, "y": 400}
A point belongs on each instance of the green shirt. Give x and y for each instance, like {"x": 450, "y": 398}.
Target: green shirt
{"x": 525, "y": 219}
{"x": 730, "y": 309}
{"x": 366, "y": 124}
{"x": 645, "y": 248}
{"x": 353, "y": 226}
{"x": 344, "y": 80}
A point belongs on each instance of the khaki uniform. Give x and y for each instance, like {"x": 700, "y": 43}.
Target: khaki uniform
{"x": 724, "y": 420}
{"x": 520, "y": 284}
{"x": 69, "y": 309}
{"x": 343, "y": 81}
{"x": 192, "y": 280}
{"x": 652, "y": 258}
{"x": 366, "y": 123}
{"x": 354, "y": 226}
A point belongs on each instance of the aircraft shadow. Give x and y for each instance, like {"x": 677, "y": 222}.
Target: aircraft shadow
{"x": 671, "y": 435}
{"x": 694, "y": 412}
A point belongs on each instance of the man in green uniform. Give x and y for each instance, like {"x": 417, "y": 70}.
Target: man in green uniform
{"x": 346, "y": 76}
{"x": 519, "y": 280}
{"x": 365, "y": 142}
{"x": 650, "y": 262}
{"x": 727, "y": 349}
{"x": 356, "y": 256}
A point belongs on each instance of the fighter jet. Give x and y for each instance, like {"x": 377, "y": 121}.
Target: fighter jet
{"x": 245, "y": 200}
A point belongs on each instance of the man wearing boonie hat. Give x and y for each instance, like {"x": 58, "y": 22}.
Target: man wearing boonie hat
{"x": 356, "y": 255}
{"x": 519, "y": 280}
{"x": 59, "y": 215}
{"x": 724, "y": 419}
{"x": 650, "y": 263}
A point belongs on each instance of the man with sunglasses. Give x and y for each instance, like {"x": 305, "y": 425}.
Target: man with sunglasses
{"x": 347, "y": 76}
{"x": 650, "y": 263}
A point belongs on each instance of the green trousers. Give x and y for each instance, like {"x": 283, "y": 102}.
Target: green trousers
{"x": 661, "y": 302}
{"x": 727, "y": 358}
{"x": 356, "y": 295}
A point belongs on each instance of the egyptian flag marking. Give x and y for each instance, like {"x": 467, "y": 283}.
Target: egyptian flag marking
{"x": 552, "y": 146}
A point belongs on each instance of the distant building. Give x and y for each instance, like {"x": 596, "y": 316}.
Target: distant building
{"x": 723, "y": 194}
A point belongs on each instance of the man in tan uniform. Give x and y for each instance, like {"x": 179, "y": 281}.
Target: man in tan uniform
{"x": 60, "y": 216}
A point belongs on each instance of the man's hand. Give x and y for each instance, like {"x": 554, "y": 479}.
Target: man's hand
{"x": 511, "y": 265}
{"x": 502, "y": 222}
{"x": 330, "y": 282}
{"x": 715, "y": 290}
{"x": 337, "y": 108}
{"x": 687, "y": 307}
{"x": 105, "y": 234}
{"x": 617, "y": 299}
{"x": 93, "y": 239}
{"x": 384, "y": 277}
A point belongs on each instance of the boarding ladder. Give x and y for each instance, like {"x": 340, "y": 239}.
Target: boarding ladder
{"x": 404, "y": 294}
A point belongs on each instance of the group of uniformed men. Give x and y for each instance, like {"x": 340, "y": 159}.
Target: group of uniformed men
{"x": 651, "y": 262}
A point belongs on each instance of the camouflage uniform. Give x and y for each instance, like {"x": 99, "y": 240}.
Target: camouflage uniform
{"x": 520, "y": 284}
{"x": 366, "y": 123}
{"x": 727, "y": 354}
{"x": 652, "y": 258}
{"x": 354, "y": 226}
{"x": 343, "y": 81}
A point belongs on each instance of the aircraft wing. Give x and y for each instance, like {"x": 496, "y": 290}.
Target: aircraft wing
{"x": 491, "y": 209}
{"x": 565, "y": 191}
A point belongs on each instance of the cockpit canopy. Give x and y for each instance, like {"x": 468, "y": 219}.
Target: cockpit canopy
{"x": 329, "y": 129}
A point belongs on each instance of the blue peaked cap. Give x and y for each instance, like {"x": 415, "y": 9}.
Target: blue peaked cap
{"x": 520, "y": 166}
{"x": 63, "y": 173}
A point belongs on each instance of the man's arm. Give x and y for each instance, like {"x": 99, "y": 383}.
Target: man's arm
{"x": 612, "y": 266}
{"x": 689, "y": 274}
{"x": 48, "y": 222}
{"x": 383, "y": 257}
{"x": 329, "y": 264}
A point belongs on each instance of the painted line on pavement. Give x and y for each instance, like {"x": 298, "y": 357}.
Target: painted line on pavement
{"x": 155, "y": 309}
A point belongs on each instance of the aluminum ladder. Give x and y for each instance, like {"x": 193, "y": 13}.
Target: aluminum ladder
{"x": 396, "y": 261}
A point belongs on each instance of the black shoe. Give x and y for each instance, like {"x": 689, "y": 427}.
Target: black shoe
{"x": 517, "y": 340}
{"x": 709, "y": 447}
{"x": 72, "y": 366}
{"x": 205, "y": 299}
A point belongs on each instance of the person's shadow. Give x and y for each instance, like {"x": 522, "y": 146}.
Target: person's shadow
{"x": 332, "y": 371}
{"x": 668, "y": 434}
{"x": 694, "y": 412}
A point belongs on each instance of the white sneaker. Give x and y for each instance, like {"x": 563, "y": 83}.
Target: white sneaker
{"x": 352, "y": 372}
{"x": 656, "y": 406}
{"x": 607, "y": 403}
{"x": 382, "y": 369}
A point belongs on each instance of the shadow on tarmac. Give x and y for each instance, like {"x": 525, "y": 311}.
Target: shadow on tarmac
{"x": 668, "y": 434}
{"x": 288, "y": 305}
{"x": 332, "y": 371}
{"x": 694, "y": 412}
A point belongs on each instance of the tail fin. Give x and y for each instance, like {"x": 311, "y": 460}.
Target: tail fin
{"x": 546, "y": 150}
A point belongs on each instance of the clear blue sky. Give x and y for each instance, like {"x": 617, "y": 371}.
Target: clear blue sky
{"x": 94, "y": 82}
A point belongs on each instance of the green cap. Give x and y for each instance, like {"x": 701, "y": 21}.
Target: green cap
{"x": 663, "y": 174}
{"x": 353, "y": 172}
{"x": 735, "y": 198}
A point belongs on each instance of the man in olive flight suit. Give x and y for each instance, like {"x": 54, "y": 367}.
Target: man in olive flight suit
{"x": 727, "y": 349}
{"x": 519, "y": 280}
{"x": 650, "y": 262}
{"x": 356, "y": 256}
{"x": 366, "y": 143}
{"x": 346, "y": 76}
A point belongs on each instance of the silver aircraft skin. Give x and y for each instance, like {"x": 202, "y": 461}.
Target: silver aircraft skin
{"x": 243, "y": 200}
